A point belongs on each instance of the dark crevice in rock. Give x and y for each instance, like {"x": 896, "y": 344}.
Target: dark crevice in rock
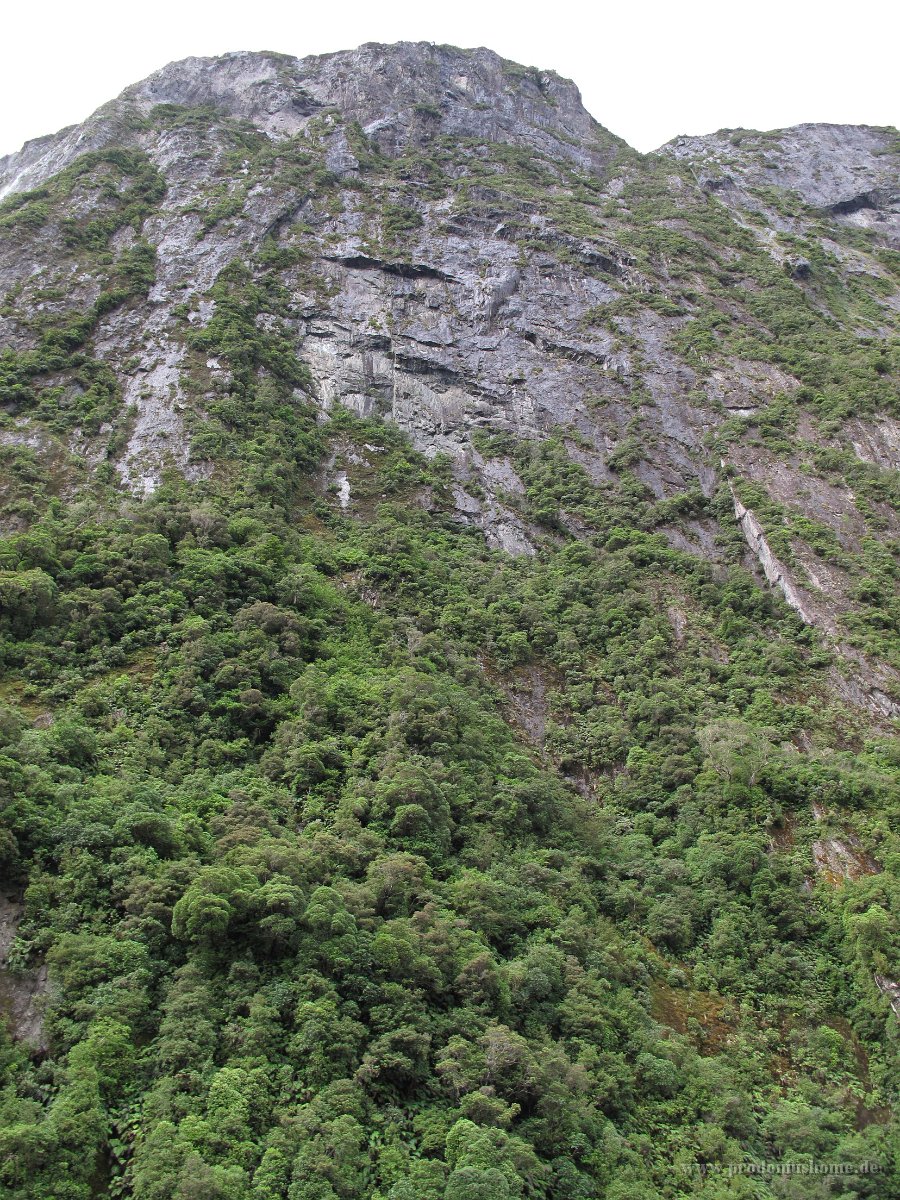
{"x": 362, "y": 262}
{"x": 414, "y": 364}
{"x": 576, "y": 354}
{"x": 877, "y": 199}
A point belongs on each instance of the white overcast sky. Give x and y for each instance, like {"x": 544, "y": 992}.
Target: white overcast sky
{"x": 647, "y": 70}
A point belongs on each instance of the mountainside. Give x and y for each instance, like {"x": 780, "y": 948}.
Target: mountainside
{"x": 448, "y": 591}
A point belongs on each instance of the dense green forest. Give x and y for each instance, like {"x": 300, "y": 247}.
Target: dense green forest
{"x": 371, "y": 863}
{"x": 321, "y": 925}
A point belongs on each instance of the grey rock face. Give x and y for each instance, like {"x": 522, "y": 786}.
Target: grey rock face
{"x": 401, "y": 94}
{"x": 775, "y": 571}
{"x": 847, "y": 171}
{"x": 517, "y": 292}
{"x": 21, "y": 992}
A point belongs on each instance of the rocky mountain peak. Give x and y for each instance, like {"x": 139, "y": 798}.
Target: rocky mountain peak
{"x": 402, "y": 95}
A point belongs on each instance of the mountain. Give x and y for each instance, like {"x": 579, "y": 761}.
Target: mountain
{"x": 448, "y": 596}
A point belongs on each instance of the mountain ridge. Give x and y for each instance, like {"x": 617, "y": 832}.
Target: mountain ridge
{"x": 246, "y": 83}
{"x": 168, "y": 76}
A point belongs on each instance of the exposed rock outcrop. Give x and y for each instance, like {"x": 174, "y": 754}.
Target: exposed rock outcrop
{"x": 21, "y": 991}
{"x": 774, "y": 570}
{"x": 846, "y": 171}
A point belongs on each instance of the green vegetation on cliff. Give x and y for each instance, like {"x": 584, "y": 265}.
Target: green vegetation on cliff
{"x": 372, "y": 863}
{"x": 321, "y": 925}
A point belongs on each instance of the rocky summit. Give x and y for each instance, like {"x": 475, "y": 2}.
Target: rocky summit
{"x": 448, "y": 644}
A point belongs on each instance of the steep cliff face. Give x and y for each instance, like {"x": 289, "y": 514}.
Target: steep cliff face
{"x": 458, "y": 245}
{"x": 448, "y": 643}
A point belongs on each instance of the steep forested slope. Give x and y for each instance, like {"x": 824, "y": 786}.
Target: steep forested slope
{"x": 449, "y": 661}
